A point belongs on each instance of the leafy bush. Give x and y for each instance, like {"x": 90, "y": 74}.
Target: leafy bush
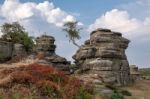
{"x": 16, "y": 33}
{"x": 1, "y": 97}
{"x": 117, "y": 95}
{"x": 145, "y": 72}
{"x": 82, "y": 94}
{"x": 126, "y": 93}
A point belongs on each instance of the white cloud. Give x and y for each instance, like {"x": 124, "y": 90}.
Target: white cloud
{"x": 38, "y": 18}
{"x": 13, "y": 10}
{"x": 121, "y": 21}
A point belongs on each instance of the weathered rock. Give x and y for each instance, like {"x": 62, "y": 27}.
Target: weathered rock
{"x": 104, "y": 54}
{"x": 5, "y": 50}
{"x": 134, "y": 71}
{"x": 45, "y": 44}
{"x": 19, "y": 50}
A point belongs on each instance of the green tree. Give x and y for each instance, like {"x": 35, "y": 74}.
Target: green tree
{"x": 16, "y": 33}
{"x": 72, "y": 31}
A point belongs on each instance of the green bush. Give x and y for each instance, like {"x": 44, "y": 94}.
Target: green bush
{"x": 125, "y": 93}
{"x": 83, "y": 94}
{"x": 1, "y": 97}
{"x": 14, "y": 32}
{"x": 145, "y": 72}
{"x": 117, "y": 95}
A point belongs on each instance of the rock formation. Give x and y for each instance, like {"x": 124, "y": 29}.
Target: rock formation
{"x": 134, "y": 72}
{"x": 103, "y": 56}
{"x": 45, "y": 44}
{"x": 6, "y": 49}
{"x": 19, "y": 50}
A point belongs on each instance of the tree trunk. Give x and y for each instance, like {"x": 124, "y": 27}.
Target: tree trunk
{"x": 75, "y": 43}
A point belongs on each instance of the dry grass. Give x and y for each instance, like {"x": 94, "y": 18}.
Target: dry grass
{"x": 38, "y": 82}
{"x": 140, "y": 90}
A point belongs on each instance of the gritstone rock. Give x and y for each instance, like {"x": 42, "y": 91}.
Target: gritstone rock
{"x": 104, "y": 55}
{"x": 45, "y": 45}
{"x": 6, "y": 49}
{"x": 134, "y": 71}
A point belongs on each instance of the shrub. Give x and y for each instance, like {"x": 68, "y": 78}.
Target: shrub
{"x": 47, "y": 82}
{"x": 16, "y": 33}
{"x": 1, "y": 97}
{"x": 48, "y": 88}
{"x": 126, "y": 93}
{"x": 117, "y": 95}
{"x": 82, "y": 94}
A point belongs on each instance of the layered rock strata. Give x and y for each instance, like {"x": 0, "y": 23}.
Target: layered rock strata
{"x": 6, "y": 50}
{"x": 103, "y": 55}
{"x": 45, "y": 45}
{"x": 134, "y": 71}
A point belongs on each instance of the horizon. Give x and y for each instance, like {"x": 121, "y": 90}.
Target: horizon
{"x": 131, "y": 18}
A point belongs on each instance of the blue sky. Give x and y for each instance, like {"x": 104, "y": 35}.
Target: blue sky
{"x": 130, "y": 17}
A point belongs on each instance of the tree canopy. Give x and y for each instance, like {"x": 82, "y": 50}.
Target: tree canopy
{"x": 14, "y": 32}
{"x": 72, "y": 31}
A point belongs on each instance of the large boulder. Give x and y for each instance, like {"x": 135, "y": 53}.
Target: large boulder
{"x": 19, "y": 50}
{"x": 6, "y": 49}
{"x": 104, "y": 55}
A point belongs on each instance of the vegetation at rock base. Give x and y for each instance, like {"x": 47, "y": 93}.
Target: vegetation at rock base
{"x": 72, "y": 31}
{"x": 145, "y": 72}
{"x": 41, "y": 82}
{"x": 118, "y": 93}
{"x": 16, "y": 33}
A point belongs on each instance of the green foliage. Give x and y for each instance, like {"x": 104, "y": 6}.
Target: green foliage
{"x": 72, "y": 31}
{"x": 15, "y": 96}
{"x": 83, "y": 94}
{"x": 117, "y": 95}
{"x": 145, "y": 72}
{"x": 125, "y": 93}
{"x": 16, "y": 33}
{"x": 1, "y": 97}
{"x": 48, "y": 90}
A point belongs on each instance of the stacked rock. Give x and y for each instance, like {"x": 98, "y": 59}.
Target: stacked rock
{"x": 134, "y": 71}
{"x": 45, "y": 44}
{"x": 104, "y": 55}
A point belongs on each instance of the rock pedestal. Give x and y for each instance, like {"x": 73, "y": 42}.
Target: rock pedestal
{"x": 104, "y": 55}
{"x": 45, "y": 44}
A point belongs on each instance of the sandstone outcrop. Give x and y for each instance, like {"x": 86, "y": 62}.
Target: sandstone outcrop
{"x": 45, "y": 45}
{"x": 134, "y": 72}
{"x": 103, "y": 55}
{"x": 19, "y": 50}
{"x": 6, "y": 49}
